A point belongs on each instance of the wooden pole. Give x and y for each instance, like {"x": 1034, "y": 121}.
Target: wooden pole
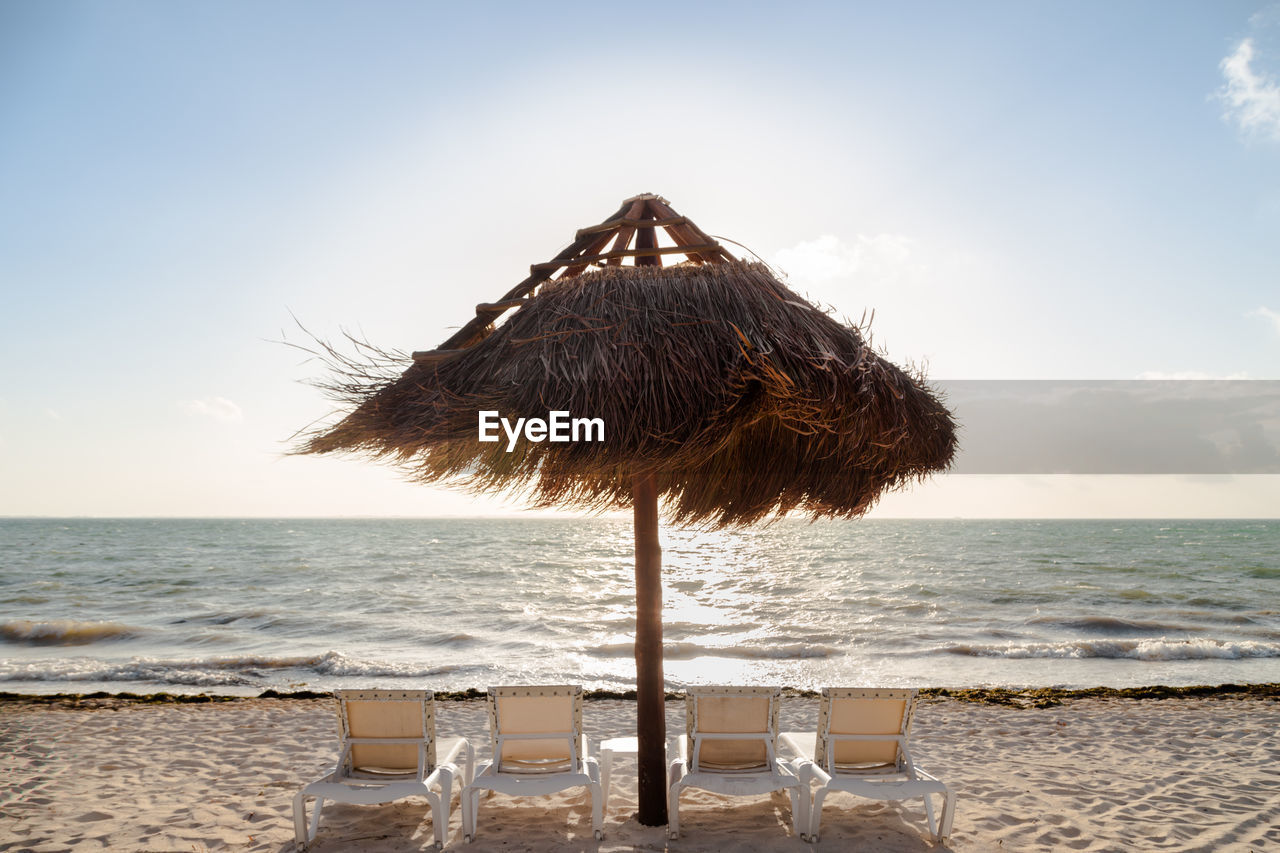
{"x": 651, "y": 691}
{"x": 651, "y": 714}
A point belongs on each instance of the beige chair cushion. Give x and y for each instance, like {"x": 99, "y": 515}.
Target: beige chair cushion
{"x": 866, "y": 717}
{"x": 863, "y": 711}
{"x": 516, "y": 715}
{"x": 384, "y": 718}
{"x": 728, "y": 714}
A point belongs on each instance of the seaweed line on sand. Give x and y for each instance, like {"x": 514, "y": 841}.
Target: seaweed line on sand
{"x": 1026, "y": 697}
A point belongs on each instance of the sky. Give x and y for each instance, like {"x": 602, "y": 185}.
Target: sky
{"x": 1009, "y": 191}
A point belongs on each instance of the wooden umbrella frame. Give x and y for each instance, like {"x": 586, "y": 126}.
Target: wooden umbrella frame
{"x": 632, "y": 230}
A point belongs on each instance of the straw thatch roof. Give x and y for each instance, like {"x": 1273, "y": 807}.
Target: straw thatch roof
{"x": 742, "y": 399}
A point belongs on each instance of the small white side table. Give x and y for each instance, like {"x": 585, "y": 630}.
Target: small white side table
{"x": 608, "y": 749}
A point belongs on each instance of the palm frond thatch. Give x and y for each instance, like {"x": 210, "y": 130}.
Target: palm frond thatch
{"x": 742, "y": 399}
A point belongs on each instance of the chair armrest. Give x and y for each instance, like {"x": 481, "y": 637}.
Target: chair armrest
{"x": 816, "y": 772}
{"x": 678, "y": 766}
{"x": 803, "y": 768}
{"x": 343, "y": 758}
{"x": 445, "y": 771}
{"x": 786, "y": 740}
{"x": 924, "y": 774}
{"x": 459, "y": 746}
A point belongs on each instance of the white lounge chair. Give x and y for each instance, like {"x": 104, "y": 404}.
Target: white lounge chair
{"x": 538, "y": 748}
{"x": 862, "y": 747}
{"x": 730, "y": 748}
{"x": 388, "y": 752}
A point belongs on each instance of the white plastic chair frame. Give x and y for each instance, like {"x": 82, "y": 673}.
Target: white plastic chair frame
{"x": 887, "y": 773}
{"x": 525, "y": 761}
{"x": 372, "y": 770}
{"x": 741, "y": 770}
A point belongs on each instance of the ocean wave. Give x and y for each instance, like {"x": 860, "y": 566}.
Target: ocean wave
{"x": 210, "y": 672}
{"x": 335, "y": 664}
{"x": 1110, "y": 625}
{"x": 64, "y": 632}
{"x": 1160, "y": 649}
{"x": 27, "y": 599}
{"x": 691, "y": 651}
{"x": 221, "y": 618}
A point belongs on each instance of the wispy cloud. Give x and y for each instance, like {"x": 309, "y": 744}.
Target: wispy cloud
{"x": 870, "y": 257}
{"x": 1273, "y": 316}
{"x": 1252, "y": 98}
{"x": 218, "y": 408}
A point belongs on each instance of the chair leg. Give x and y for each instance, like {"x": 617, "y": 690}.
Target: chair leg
{"x": 596, "y": 796}
{"x": 300, "y": 820}
{"x": 673, "y": 810}
{"x": 469, "y": 770}
{"x": 803, "y": 770}
{"x": 606, "y": 774}
{"x": 470, "y": 798}
{"x": 815, "y": 813}
{"x": 948, "y": 815}
{"x": 446, "y": 803}
{"x": 302, "y": 833}
{"x": 799, "y": 821}
{"x": 446, "y": 785}
{"x": 439, "y": 816}
{"x": 928, "y": 813}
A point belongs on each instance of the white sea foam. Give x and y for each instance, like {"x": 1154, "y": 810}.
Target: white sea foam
{"x": 1160, "y": 649}
{"x": 219, "y": 671}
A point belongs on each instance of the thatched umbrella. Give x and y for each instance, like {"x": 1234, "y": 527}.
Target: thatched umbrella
{"x": 719, "y": 389}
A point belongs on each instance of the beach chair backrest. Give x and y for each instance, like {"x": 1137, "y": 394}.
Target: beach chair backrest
{"x": 849, "y": 720}
{"x": 388, "y": 731}
{"x": 536, "y": 729}
{"x": 713, "y": 712}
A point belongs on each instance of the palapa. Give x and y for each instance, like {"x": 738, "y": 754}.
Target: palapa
{"x": 720, "y": 390}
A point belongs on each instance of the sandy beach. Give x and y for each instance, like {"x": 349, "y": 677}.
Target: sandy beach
{"x": 1093, "y": 774}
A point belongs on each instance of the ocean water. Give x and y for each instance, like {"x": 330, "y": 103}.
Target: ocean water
{"x": 238, "y": 606}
